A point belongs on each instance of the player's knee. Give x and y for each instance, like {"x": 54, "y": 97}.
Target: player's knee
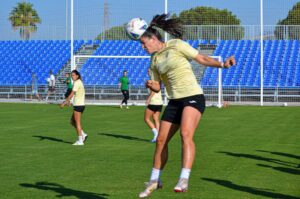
{"x": 146, "y": 119}
{"x": 160, "y": 141}
{"x": 186, "y": 136}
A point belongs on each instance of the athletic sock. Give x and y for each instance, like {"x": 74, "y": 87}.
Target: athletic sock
{"x": 155, "y": 174}
{"x": 83, "y": 133}
{"x": 154, "y": 131}
{"x": 185, "y": 173}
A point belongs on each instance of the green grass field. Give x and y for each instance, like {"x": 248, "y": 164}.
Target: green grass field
{"x": 242, "y": 152}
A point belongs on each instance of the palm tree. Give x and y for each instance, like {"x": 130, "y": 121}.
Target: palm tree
{"x": 24, "y": 18}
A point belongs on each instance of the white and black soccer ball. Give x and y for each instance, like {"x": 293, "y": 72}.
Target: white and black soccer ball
{"x": 136, "y": 27}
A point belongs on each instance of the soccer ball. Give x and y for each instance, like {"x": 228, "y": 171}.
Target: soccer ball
{"x": 136, "y": 27}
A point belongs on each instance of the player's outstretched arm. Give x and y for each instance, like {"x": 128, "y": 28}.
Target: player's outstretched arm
{"x": 208, "y": 61}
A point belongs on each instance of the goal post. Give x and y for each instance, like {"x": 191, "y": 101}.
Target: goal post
{"x": 104, "y": 89}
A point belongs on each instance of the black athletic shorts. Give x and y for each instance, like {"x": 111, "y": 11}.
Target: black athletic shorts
{"x": 79, "y": 108}
{"x": 68, "y": 92}
{"x": 155, "y": 108}
{"x": 173, "y": 111}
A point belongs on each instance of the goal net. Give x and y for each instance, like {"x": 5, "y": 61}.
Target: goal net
{"x": 101, "y": 75}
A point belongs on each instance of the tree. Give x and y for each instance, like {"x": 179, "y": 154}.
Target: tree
{"x": 115, "y": 33}
{"x": 24, "y": 18}
{"x": 201, "y": 23}
{"x": 215, "y": 24}
{"x": 289, "y": 28}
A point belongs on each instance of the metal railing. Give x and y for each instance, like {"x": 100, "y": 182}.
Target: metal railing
{"x": 111, "y": 94}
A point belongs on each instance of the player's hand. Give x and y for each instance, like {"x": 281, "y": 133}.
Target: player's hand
{"x": 229, "y": 62}
{"x": 153, "y": 85}
{"x": 63, "y": 104}
{"x": 147, "y": 102}
{"x": 148, "y": 83}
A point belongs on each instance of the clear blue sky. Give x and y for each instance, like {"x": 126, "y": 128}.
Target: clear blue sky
{"x": 89, "y": 13}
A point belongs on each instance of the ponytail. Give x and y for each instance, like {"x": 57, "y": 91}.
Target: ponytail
{"x": 171, "y": 26}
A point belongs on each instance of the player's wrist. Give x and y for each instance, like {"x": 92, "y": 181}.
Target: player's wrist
{"x": 221, "y": 64}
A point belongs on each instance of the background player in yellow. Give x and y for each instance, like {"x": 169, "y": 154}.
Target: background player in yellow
{"x": 170, "y": 64}
{"x": 78, "y": 105}
{"x": 154, "y": 104}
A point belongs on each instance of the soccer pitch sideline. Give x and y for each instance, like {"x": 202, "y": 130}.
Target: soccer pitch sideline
{"x": 242, "y": 153}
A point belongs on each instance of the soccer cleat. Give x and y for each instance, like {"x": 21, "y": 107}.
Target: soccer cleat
{"x": 182, "y": 185}
{"x": 150, "y": 187}
{"x": 127, "y": 107}
{"x": 121, "y": 106}
{"x": 78, "y": 143}
{"x": 85, "y": 137}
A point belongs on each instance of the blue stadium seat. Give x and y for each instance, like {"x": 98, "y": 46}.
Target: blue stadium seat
{"x": 279, "y": 58}
{"x": 18, "y": 59}
{"x": 21, "y": 58}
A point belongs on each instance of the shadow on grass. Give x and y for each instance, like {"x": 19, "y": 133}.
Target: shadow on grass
{"x": 257, "y": 157}
{"x": 282, "y": 169}
{"x": 51, "y": 139}
{"x": 251, "y": 190}
{"x": 126, "y": 137}
{"x": 281, "y": 154}
{"x": 63, "y": 191}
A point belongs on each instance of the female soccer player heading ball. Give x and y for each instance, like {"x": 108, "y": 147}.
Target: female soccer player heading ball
{"x": 170, "y": 65}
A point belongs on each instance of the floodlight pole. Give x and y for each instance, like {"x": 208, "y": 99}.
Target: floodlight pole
{"x": 261, "y": 54}
{"x": 72, "y": 35}
{"x": 66, "y": 19}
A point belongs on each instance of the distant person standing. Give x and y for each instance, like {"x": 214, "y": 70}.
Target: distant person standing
{"x": 154, "y": 104}
{"x": 123, "y": 85}
{"x": 51, "y": 84}
{"x": 34, "y": 87}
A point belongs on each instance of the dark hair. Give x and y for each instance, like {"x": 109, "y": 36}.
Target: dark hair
{"x": 77, "y": 73}
{"x": 171, "y": 26}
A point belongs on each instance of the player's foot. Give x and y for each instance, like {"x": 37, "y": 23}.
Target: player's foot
{"x": 154, "y": 139}
{"x": 182, "y": 185}
{"x": 127, "y": 107}
{"x": 78, "y": 143}
{"x": 85, "y": 137}
{"x": 121, "y": 106}
{"x": 150, "y": 187}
